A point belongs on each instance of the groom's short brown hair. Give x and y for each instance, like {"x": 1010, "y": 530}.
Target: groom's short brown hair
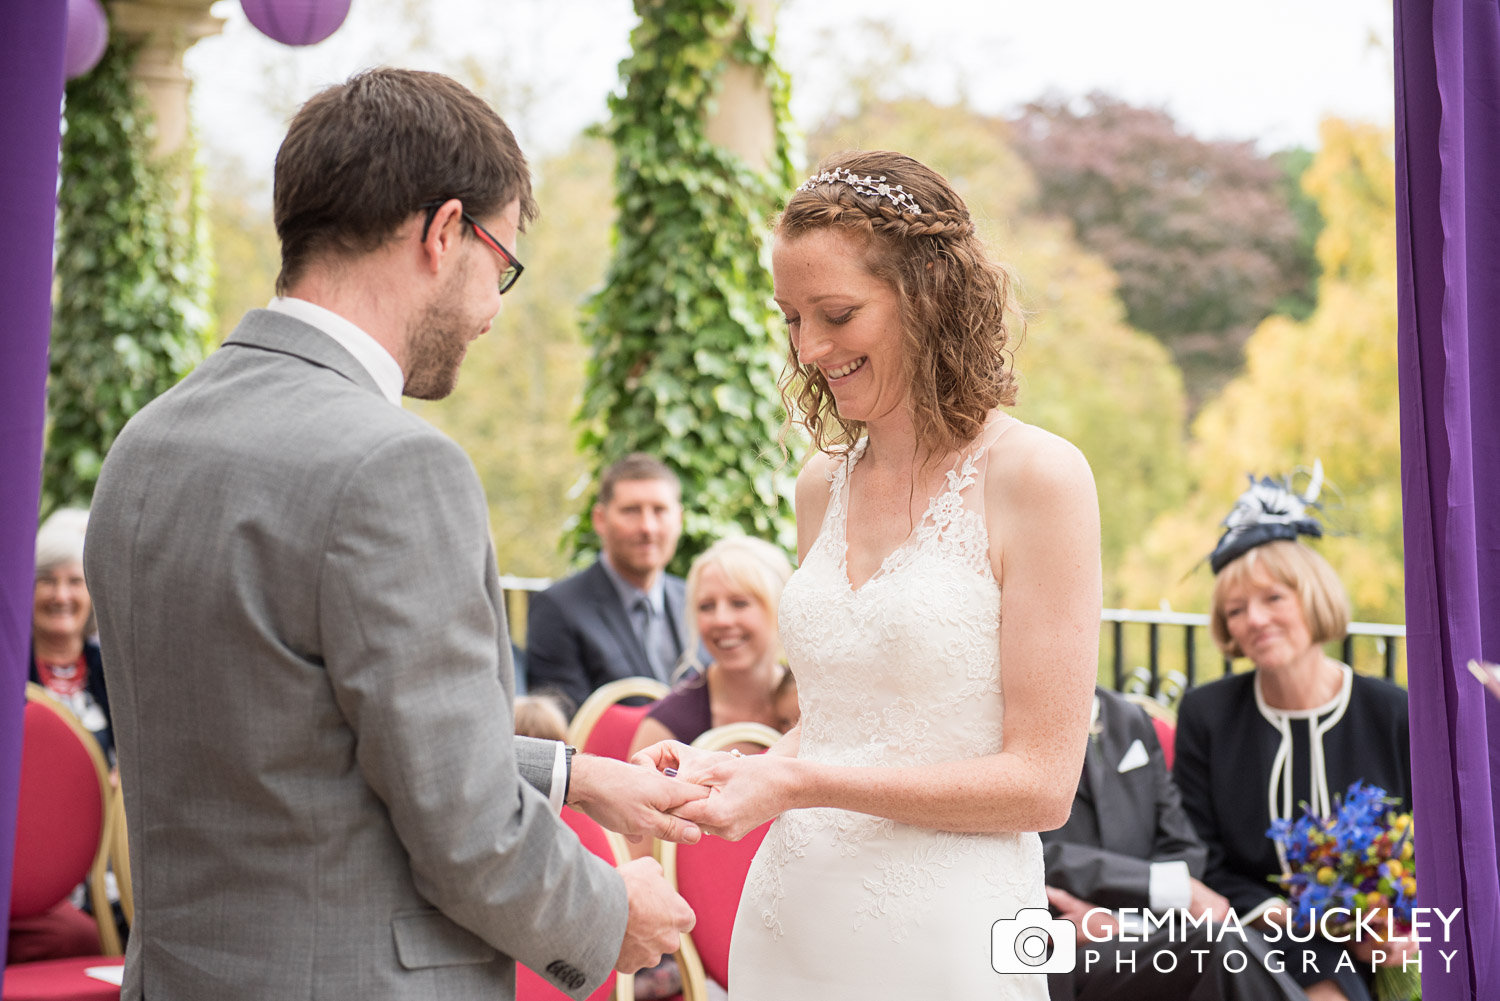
{"x": 361, "y": 157}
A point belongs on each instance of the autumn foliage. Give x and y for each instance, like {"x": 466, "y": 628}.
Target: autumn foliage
{"x": 1201, "y": 233}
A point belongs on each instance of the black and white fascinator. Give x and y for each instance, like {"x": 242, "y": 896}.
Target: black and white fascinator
{"x": 1268, "y": 511}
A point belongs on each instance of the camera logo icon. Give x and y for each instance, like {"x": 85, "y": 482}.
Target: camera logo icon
{"x": 1033, "y": 942}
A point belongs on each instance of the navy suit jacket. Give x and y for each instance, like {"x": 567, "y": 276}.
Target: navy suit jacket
{"x": 579, "y": 636}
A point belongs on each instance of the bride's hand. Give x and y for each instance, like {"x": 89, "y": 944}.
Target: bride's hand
{"x": 746, "y": 792}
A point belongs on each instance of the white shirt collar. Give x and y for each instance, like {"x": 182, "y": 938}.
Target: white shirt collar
{"x": 366, "y": 350}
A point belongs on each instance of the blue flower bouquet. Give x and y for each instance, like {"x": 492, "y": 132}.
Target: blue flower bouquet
{"x": 1360, "y": 859}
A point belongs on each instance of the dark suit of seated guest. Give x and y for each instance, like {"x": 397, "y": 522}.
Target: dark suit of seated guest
{"x": 622, "y": 617}
{"x": 1128, "y": 847}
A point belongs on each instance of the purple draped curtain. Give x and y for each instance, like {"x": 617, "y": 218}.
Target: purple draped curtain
{"x": 1448, "y": 219}
{"x": 31, "y": 92}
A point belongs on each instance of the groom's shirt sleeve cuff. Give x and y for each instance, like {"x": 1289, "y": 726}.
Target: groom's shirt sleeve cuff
{"x": 559, "y": 778}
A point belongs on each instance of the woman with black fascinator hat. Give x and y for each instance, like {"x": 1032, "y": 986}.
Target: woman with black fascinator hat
{"x": 1298, "y": 729}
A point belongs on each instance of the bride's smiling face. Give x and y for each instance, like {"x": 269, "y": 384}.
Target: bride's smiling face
{"x": 842, "y": 319}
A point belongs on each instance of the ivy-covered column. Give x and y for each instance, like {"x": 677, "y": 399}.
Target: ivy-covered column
{"x": 133, "y": 275}
{"x": 686, "y": 344}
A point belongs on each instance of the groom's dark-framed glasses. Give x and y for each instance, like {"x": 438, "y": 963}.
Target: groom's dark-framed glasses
{"x": 513, "y": 267}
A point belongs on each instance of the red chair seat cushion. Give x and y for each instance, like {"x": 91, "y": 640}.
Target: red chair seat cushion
{"x": 589, "y": 832}
{"x": 59, "y": 815}
{"x": 611, "y": 736}
{"x": 59, "y": 980}
{"x": 532, "y": 987}
{"x": 61, "y": 933}
{"x": 710, "y": 877}
{"x": 1167, "y": 734}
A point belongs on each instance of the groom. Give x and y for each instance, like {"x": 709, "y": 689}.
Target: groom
{"x": 299, "y": 609}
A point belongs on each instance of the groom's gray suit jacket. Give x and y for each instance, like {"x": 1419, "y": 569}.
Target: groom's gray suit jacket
{"x": 311, "y": 683}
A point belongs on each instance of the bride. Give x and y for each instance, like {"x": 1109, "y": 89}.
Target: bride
{"x": 934, "y": 742}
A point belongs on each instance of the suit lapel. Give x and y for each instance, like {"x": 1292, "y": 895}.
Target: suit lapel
{"x": 1120, "y": 797}
{"x": 1095, "y": 780}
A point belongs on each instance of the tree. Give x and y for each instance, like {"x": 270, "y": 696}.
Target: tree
{"x": 1200, "y": 233}
{"x": 522, "y": 383}
{"x": 133, "y": 279}
{"x": 245, "y": 246}
{"x": 1323, "y": 388}
{"x": 1085, "y": 373}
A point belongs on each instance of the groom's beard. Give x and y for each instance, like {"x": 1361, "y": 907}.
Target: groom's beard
{"x": 436, "y": 342}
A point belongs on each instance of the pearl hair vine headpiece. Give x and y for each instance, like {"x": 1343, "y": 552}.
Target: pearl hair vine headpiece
{"x": 867, "y": 185}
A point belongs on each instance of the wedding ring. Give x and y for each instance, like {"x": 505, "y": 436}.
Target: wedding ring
{"x": 670, "y": 773}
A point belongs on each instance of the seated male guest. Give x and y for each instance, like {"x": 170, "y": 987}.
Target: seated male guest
{"x": 1129, "y": 845}
{"x": 621, "y": 617}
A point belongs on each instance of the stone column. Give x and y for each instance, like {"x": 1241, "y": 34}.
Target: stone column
{"x": 166, "y": 28}
{"x": 743, "y": 123}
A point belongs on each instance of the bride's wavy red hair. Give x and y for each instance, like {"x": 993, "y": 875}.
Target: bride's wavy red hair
{"x": 955, "y": 303}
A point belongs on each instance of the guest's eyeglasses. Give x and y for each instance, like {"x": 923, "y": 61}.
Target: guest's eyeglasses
{"x": 513, "y": 267}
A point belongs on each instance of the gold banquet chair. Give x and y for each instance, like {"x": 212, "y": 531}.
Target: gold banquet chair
{"x": 118, "y": 842}
{"x": 603, "y": 726}
{"x": 61, "y": 840}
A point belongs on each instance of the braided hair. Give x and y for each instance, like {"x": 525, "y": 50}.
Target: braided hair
{"x": 954, "y": 303}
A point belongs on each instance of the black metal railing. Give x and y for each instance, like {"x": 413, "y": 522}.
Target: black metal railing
{"x": 518, "y": 591}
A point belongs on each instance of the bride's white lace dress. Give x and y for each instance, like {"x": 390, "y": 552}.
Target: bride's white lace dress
{"x": 903, "y": 671}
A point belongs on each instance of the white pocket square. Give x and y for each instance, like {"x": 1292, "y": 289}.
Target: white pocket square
{"x": 1135, "y": 757}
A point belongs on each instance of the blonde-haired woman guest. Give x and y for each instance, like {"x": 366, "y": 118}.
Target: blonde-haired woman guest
{"x": 733, "y": 593}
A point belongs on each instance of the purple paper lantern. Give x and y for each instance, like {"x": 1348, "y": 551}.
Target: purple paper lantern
{"x": 296, "y": 22}
{"x": 88, "y": 34}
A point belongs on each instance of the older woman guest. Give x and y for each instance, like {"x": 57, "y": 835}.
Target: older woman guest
{"x": 64, "y": 661}
{"x": 1299, "y": 728}
{"x": 733, "y": 591}
{"x": 64, "y": 658}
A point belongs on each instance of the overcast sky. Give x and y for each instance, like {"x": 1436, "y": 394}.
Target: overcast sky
{"x": 1267, "y": 71}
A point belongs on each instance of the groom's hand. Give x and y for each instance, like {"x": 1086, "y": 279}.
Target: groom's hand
{"x": 747, "y": 790}
{"x": 658, "y": 916}
{"x": 637, "y": 802}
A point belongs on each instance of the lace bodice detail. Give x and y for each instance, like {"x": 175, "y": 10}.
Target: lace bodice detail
{"x": 903, "y": 671}
{"x": 906, "y": 669}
